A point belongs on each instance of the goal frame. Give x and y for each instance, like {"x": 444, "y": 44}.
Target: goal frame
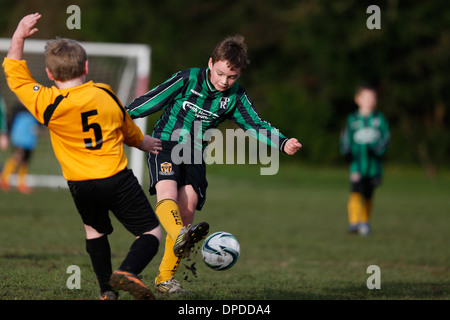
{"x": 142, "y": 54}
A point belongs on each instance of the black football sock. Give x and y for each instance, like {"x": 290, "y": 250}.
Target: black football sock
{"x": 141, "y": 253}
{"x": 100, "y": 254}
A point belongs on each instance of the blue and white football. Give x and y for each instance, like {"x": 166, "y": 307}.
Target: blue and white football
{"x": 220, "y": 250}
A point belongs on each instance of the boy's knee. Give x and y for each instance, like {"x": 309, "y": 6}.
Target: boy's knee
{"x": 91, "y": 233}
{"x": 167, "y": 189}
{"x": 156, "y": 232}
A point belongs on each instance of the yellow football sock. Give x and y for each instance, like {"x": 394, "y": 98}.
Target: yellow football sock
{"x": 355, "y": 208}
{"x": 22, "y": 175}
{"x": 8, "y": 169}
{"x": 366, "y": 210}
{"x": 169, "y": 263}
{"x": 169, "y": 216}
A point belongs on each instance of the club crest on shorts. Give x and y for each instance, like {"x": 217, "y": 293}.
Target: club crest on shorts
{"x": 166, "y": 169}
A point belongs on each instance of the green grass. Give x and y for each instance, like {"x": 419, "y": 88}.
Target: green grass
{"x": 292, "y": 231}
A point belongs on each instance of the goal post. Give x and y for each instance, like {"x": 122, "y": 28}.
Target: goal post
{"x": 125, "y": 67}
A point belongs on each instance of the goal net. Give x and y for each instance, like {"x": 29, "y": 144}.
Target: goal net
{"x": 125, "y": 67}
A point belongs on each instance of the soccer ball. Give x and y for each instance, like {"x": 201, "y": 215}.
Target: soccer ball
{"x": 220, "y": 250}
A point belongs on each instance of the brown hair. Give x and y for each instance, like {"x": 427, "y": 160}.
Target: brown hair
{"x": 232, "y": 49}
{"x": 65, "y": 59}
{"x": 365, "y": 86}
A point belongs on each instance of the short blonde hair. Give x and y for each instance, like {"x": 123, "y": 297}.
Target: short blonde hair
{"x": 65, "y": 59}
{"x": 232, "y": 49}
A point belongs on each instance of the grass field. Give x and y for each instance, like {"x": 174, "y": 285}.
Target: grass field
{"x": 292, "y": 231}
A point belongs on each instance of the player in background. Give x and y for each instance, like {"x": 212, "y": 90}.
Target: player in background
{"x": 363, "y": 142}
{"x": 3, "y": 125}
{"x": 88, "y": 126}
{"x": 23, "y": 136}
{"x": 206, "y": 96}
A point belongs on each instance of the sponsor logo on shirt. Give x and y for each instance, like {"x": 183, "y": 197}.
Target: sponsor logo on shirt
{"x": 196, "y": 93}
{"x": 200, "y": 114}
{"x": 366, "y": 136}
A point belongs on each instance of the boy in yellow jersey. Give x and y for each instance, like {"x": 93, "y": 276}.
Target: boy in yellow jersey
{"x": 88, "y": 126}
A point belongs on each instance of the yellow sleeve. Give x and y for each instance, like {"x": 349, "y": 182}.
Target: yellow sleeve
{"x": 33, "y": 96}
{"x": 132, "y": 133}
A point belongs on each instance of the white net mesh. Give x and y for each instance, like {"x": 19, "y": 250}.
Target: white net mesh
{"x": 125, "y": 67}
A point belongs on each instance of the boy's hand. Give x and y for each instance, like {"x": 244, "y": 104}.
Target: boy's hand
{"x": 3, "y": 142}
{"x": 150, "y": 145}
{"x": 24, "y": 30}
{"x": 292, "y": 146}
{"x": 26, "y": 27}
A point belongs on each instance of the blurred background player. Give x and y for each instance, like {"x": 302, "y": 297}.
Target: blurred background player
{"x": 206, "y": 96}
{"x": 363, "y": 142}
{"x": 23, "y": 137}
{"x": 88, "y": 126}
{"x": 3, "y": 125}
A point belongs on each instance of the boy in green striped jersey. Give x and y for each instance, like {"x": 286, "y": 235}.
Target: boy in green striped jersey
{"x": 363, "y": 142}
{"x": 195, "y": 100}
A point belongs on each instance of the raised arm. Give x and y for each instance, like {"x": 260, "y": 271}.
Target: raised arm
{"x": 25, "y": 29}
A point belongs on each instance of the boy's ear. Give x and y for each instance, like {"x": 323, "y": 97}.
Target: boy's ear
{"x": 210, "y": 63}
{"x": 86, "y": 68}
{"x": 49, "y": 75}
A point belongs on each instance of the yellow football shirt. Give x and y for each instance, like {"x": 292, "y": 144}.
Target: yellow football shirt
{"x": 88, "y": 125}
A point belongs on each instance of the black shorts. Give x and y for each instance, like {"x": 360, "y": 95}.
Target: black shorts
{"x": 24, "y": 153}
{"x": 122, "y": 194}
{"x": 162, "y": 167}
{"x": 366, "y": 186}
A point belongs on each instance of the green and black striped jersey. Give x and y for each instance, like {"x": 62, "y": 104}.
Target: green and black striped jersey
{"x": 365, "y": 140}
{"x": 189, "y": 100}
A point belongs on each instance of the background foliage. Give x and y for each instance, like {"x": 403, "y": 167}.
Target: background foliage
{"x": 306, "y": 59}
